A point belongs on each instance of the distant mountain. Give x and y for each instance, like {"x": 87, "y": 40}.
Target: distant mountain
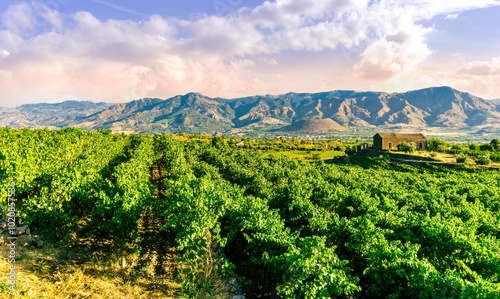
{"x": 49, "y": 115}
{"x": 314, "y": 125}
{"x": 196, "y": 113}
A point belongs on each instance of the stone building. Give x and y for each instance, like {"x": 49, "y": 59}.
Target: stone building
{"x": 390, "y": 141}
{"x": 363, "y": 146}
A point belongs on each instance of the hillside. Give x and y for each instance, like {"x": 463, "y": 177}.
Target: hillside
{"x": 195, "y": 113}
{"x": 314, "y": 125}
{"x": 49, "y": 115}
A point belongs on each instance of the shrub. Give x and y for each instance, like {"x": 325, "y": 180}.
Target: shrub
{"x": 441, "y": 148}
{"x": 350, "y": 150}
{"x": 407, "y": 147}
{"x": 483, "y": 160}
{"x": 456, "y": 147}
{"x": 473, "y": 147}
{"x": 486, "y": 147}
{"x": 340, "y": 148}
{"x": 433, "y": 154}
{"x": 437, "y": 144}
{"x": 461, "y": 158}
{"x": 495, "y": 143}
{"x": 219, "y": 141}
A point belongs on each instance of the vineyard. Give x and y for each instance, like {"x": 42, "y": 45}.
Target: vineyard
{"x": 289, "y": 228}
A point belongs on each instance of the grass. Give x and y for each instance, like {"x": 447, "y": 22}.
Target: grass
{"x": 290, "y": 154}
{"x": 329, "y": 154}
{"x": 65, "y": 273}
{"x": 305, "y": 154}
{"x": 449, "y": 158}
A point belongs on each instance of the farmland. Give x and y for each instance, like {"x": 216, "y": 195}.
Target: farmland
{"x": 288, "y": 227}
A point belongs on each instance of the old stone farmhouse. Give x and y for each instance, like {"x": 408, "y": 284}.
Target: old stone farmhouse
{"x": 390, "y": 141}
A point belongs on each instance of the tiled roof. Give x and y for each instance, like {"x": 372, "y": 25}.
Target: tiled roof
{"x": 401, "y": 136}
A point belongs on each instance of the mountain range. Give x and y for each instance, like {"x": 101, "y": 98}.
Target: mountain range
{"x": 302, "y": 112}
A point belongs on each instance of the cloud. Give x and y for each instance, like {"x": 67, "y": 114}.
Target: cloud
{"x": 481, "y": 68}
{"x": 391, "y": 55}
{"x": 117, "y": 7}
{"x": 430, "y": 8}
{"x": 18, "y": 18}
{"x": 79, "y": 56}
{"x": 479, "y": 77}
{"x": 268, "y": 61}
{"x": 4, "y": 53}
{"x": 451, "y": 16}
{"x": 29, "y": 20}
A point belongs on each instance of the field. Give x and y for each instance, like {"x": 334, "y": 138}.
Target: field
{"x": 289, "y": 228}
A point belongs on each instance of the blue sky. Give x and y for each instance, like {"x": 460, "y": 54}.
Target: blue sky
{"x": 116, "y": 51}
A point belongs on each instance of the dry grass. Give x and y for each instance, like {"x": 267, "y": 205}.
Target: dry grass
{"x": 444, "y": 157}
{"x": 451, "y": 158}
{"x": 67, "y": 273}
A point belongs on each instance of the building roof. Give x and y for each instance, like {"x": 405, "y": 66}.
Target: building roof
{"x": 401, "y": 136}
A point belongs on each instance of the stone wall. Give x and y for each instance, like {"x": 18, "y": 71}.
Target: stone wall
{"x": 22, "y": 232}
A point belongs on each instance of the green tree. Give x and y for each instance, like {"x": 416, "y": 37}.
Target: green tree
{"x": 486, "y": 147}
{"x": 483, "y": 160}
{"x": 350, "y": 150}
{"x": 495, "y": 143}
{"x": 407, "y": 147}
{"x": 316, "y": 157}
{"x": 461, "y": 158}
{"x": 473, "y": 147}
{"x": 437, "y": 145}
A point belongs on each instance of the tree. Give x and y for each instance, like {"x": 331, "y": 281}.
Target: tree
{"x": 461, "y": 158}
{"x": 473, "y": 147}
{"x": 483, "y": 160}
{"x": 407, "y": 147}
{"x": 495, "y": 143}
{"x": 316, "y": 158}
{"x": 486, "y": 147}
{"x": 350, "y": 151}
{"x": 436, "y": 145}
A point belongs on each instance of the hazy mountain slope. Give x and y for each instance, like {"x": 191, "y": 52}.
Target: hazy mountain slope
{"x": 49, "y": 115}
{"x": 452, "y": 108}
{"x": 195, "y": 113}
{"x": 314, "y": 125}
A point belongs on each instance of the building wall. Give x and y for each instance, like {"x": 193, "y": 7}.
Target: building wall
{"x": 392, "y": 144}
{"x": 377, "y": 142}
{"x": 363, "y": 146}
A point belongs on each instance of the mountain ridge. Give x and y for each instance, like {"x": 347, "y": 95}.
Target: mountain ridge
{"x": 195, "y": 113}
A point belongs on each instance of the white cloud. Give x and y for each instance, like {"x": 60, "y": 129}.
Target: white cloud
{"x": 399, "y": 45}
{"x": 4, "y": 53}
{"x": 451, "y": 16}
{"x": 479, "y": 78}
{"x": 268, "y": 61}
{"x": 430, "y": 8}
{"x": 28, "y": 20}
{"x": 481, "y": 68}
{"x": 120, "y": 8}
{"x": 79, "y": 54}
{"x": 18, "y": 18}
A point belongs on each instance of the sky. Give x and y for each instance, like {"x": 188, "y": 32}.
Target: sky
{"x": 118, "y": 51}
